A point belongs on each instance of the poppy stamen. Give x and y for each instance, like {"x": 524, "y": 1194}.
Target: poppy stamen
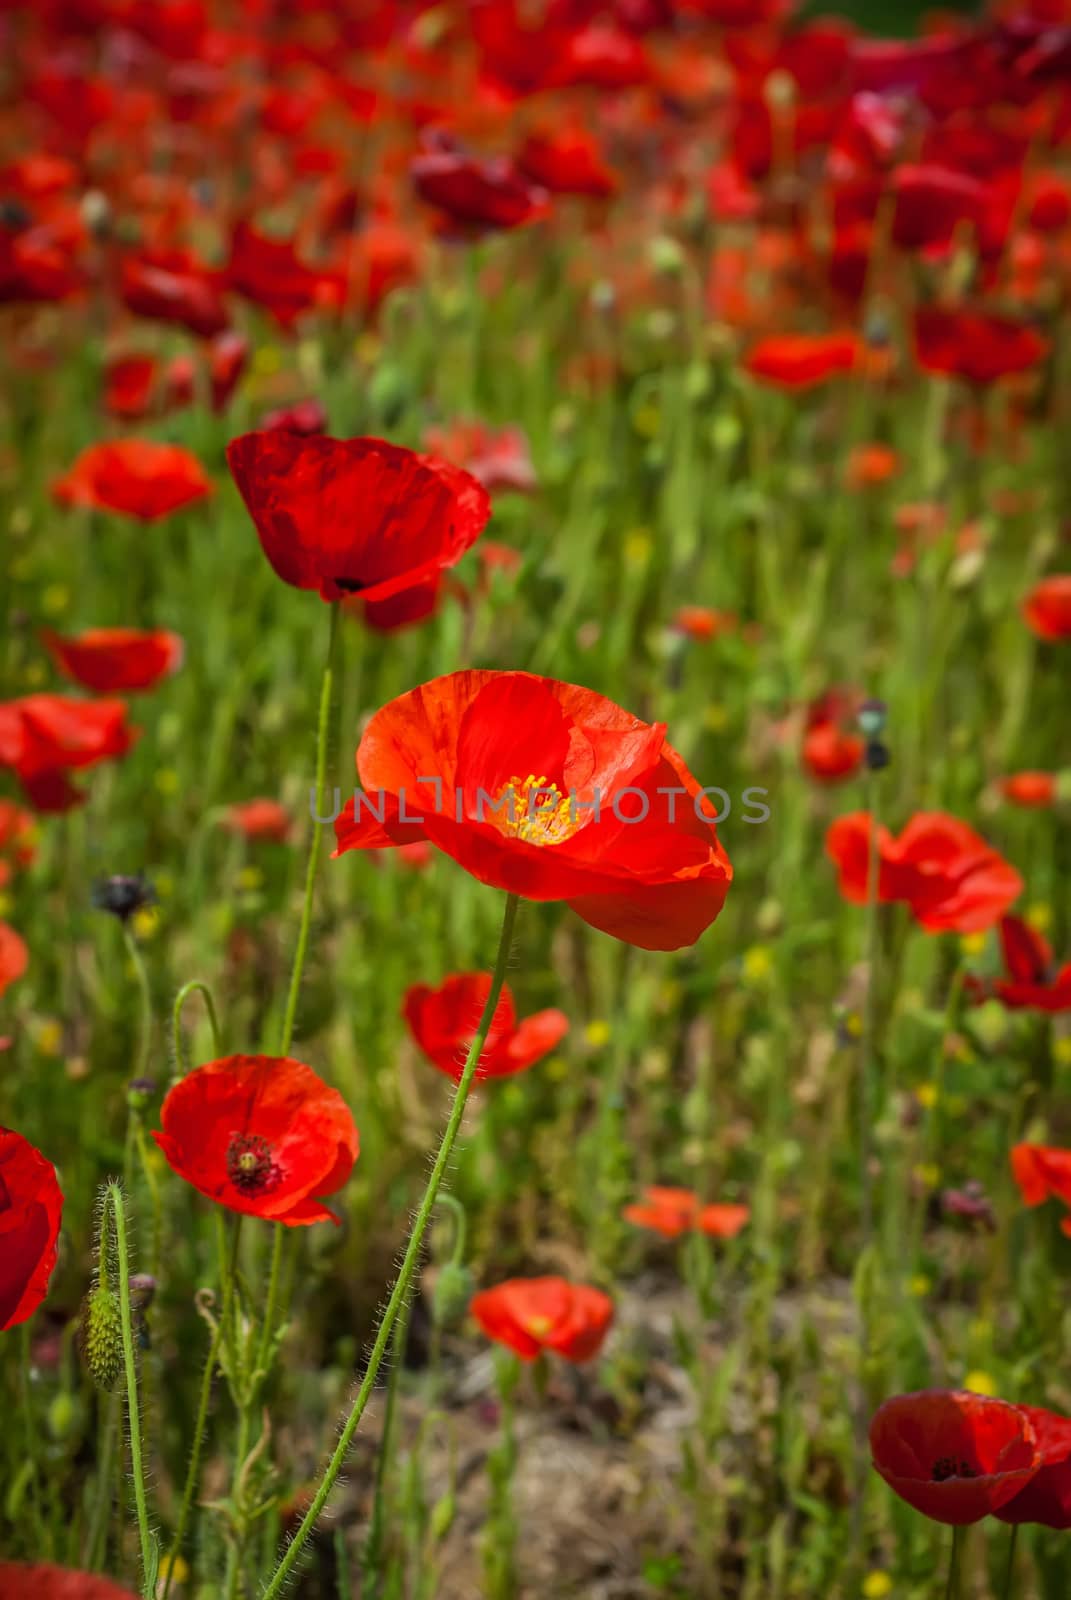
{"x": 535, "y": 810}
{"x": 948, "y": 1467}
{"x": 249, "y": 1163}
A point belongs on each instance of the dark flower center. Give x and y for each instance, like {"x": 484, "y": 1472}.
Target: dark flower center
{"x": 948, "y": 1467}
{"x": 249, "y": 1164}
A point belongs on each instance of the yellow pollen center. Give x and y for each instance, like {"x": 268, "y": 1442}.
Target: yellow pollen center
{"x": 539, "y": 1327}
{"x": 535, "y": 810}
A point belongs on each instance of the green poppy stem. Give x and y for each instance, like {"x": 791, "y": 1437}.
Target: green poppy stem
{"x": 117, "y": 1202}
{"x": 408, "y": 1268}
{"x": 1009, "y": 1573}
{"x": 952, "y": 1586}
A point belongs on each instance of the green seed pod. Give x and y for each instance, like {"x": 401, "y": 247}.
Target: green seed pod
{"x": 453, "y": 1291}
{"x": 102, "y": 1336}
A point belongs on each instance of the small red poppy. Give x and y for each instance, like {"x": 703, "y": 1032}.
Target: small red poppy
{"x": 672, "y": 1212}
{"x": 270, "y": 273}
{"x": 355, "y": 516}
{"x": 45, "y": 736}
{"x": 955, "y": 1456}
{"x": 31, "y": 1206}
{"x": 567, "y": 160}
{"x": 1030, "y": 789}
{"x": 802, "y": 360}
{"x": 1047, "y": 1497}
{"x": 607, "y": 819}
{"x": 498, "y": 457}
{"x": 174, "y": 287}
{"x": 129, "y": 382}
{"x": 42, "y": 1581}
{"x": 305, "y": 417}
{"x": 1043, "y": 1171}
{"x": 703, "y": 622}
{"x": 262, "y": 1135}
{"x": 830, "y": 753}
{"x": 135, "y": 477}
{"x": 975, "y": 345}
{"x": 14, "y": 956}
{"x": 260, "y": 819}
{"x": 530, "y": 1315}
{"x": 1047, "y": 608}
{"x": 17, "y": 834}
{"x": 481, "y": 192}
{"x": 444, "y": 1020}
{"x": 116, "y": 660}
{"x": 1032, "y": 982}
{"x": 951, "y": 879}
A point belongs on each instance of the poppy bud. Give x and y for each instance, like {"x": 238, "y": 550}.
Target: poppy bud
{"x": 872, "y": 715}
{"x": 876, "y": 756}
{"x": 139, "y": 1091}
{"x": 123, "y": 895}
{"x": 102, "y": 1336}
{"x": 453, "y": 1291}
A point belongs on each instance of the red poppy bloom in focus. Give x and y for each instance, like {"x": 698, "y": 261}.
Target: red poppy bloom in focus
{"x": 45, "y": 736}
{"x": 263, "y": 1135}
{"x": 1047, "y": 608}
{"x": 952, "y": 880}
{"x": 136, "y": 477}
{"x": 355, "y": 516}
{"x": 1034, "y": 790}
{"x": 587, "y": 825}
{"x": 1047, "y": 1497}
{"x": 975, "y": 345}
{"x": 260, "y": 819}
{"x": 1043, "y": 1171}
{"x": 116, "y": 660}
{"x": 672, "y": 1212}
{"x": 14, "y": 956}
{"x": 17, "y": 833}
{"x": 31, "y": 1206}
{"x": 443, "y": 1022}
{"x": 955, "y": 1456}
{"x": 530, "y": 1315}
{"x": 1032, "y": 982}
{"x": 475, "y": 191}
{"x": 802, "y": 360}
{"x": 42, "y": 1581}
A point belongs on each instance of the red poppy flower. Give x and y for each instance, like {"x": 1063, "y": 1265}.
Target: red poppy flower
{"x": 129, "y": 382}
{"x": 1041, "y": 1171}
{"x": 567, "y": 160}
{"x": 260, "y": 819}
{"x": 116, "y": 660}
{"x": 498, "y": 457}
{"x": 31, "y": 1206}
{"x": 1047, "y": 1497}
{"x": 1032, "y": 983}
{"x": 36, "y": 266}
{"x": 1047, "y": 608}
{"x": 609, "y": 819}
{"x": 602, "y": 56}
{"x": 871, "y": 464}
{"x": 954, "y": 1456}
{"x": 17, "y": 834}
{"x": 406, "y": 609}
{"x": 703, "y": 622}
{"x": 830, "y": 753}
{"x": 355, "y": 516}
{"x": 305, "y": 417}
{"x": 45, "y": 736}
{"x": 975, "y": 345}
{"x": 41, "y": 1581}
{"x": 270, "y": 273}
{"x": 530, "y": 1315}
{"x": 475, "y": 191}
{"x": 802, "y": 360}
{"x": 135, "y": 477}
{"x": 443, "y": 1022}
{"x": 14, "y": 956}
{"x": 174, "y": 287}
{"x": 1034, "y": 790}
{"x": 931, "y": 202}
{"x": 262, "y": 1135}
{"x": 673, "y": 1212}
{"x": 951, "y": 879}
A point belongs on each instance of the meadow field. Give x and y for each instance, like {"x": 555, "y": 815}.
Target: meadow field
{"x": 535, "y": 779}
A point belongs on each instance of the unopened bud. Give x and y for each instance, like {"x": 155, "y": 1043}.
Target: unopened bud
{"x": 453, "y": 1291}
{"x": 102, "y": 1336}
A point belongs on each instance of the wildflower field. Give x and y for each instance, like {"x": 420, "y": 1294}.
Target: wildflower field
{"x": 535, "y": 777}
